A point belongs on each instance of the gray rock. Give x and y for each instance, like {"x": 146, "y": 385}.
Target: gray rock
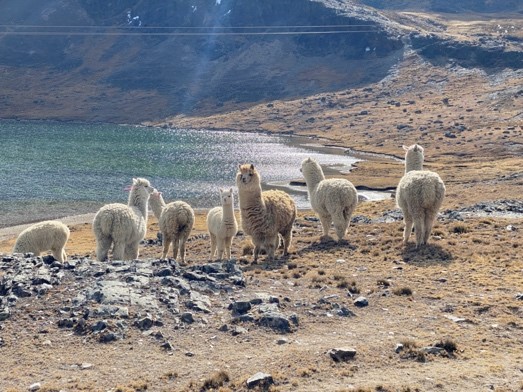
{"x": 35, "y": 387}
{"x": 275, "y": 321}
{"x": 399, "y": 348}
{"x": 345, "y": 312}
{"x": 237, "y": 330}
{"x": 361, "y": 302}
{"x": 262, "y": 380}
{"x": 108, "y": 337}
{"x": 342, "y": 354}
{"x": 268, "y": 308}
{"x": 519, "y": 296}
{"x": 144, "y": 323}
{"x": 4, "y": 313}
{"x": 239, "y": 307}
{"x": 187, "y": 317}
{"x": 433, "y": 350}
{"x": 167, "y": 345}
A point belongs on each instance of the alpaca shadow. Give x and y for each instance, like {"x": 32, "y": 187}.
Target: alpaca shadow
{"x": 326, "y": 244}
{"x": 247, "y": 263}
{"x": 429, "y": 254}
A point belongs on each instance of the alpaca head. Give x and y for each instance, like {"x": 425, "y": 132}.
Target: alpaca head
{"x": 247, "y": 177}
{"x": 141, "y": 188}
{"x": 226, "y": 197}
{"x": 311, "y": 170}
{"x": 413, "y": 157}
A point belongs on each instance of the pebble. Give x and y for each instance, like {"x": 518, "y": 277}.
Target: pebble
{"x": 361, "y": 302}
{"x": 262, "y": 380}
{"x": 342, "y": 354}
{"x": 35, "y": 387}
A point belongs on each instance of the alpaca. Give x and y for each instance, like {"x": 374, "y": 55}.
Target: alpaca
{"x": 42, "y": 236}
{"x": 123, "y": 226}
{"x": 175, "y": 220}
{"x": 419, "y": 194}
{"x": 334, "y": 200}
{"x": 264, "y": 215}
{"x": 222, "y": 225}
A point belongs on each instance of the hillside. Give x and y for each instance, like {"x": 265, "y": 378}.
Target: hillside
{"x": 132, "y": 61}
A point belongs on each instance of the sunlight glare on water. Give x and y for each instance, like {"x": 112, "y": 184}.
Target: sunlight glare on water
{"x": 57, "y": 169}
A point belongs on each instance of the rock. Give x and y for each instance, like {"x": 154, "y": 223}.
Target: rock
{"x": 239, "y": 307}
{"x": 281, "y": 341}
{"x": 86, "y": 365}
{"x": 345, "y": 312}
{"x": 164, "y": 272}
{"x": 433, "y": 350}
{"x": 224, "y": 328}
{"x": 187, "y": 317}
{"x": 4, "y": 313}
{"x": 342, "y": 354}
{"x": 144, "y": 323}
{"x": 237, "y": 330}
{"x": 167, "y": 346}
{"x": 108, "y": 337}
{"x": 518, "y": 296}
{"x": 276, "y": 321}
{"x": 399, "y": 348}
{"x": 261, "y": 380}
{"x": 361, "y": 302}
{"x": 35, "y": 387}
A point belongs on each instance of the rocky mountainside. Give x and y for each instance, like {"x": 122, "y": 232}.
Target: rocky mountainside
{"x": 134, "y": 60}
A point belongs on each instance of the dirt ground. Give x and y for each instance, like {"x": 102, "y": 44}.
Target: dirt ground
{"x": 463, "y": 291}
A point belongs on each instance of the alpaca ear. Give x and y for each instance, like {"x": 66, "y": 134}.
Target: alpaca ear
{"x": 230, "y": 190}
{"x": 135, "y": 180}
{"x": 252, "y": 166}
{"x": 221, "y": 190}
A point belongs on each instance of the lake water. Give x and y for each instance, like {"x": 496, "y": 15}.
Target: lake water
{"x": 50, "y": 170}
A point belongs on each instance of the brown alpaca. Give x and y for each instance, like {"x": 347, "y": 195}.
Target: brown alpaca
{"x": 264, "y": 215}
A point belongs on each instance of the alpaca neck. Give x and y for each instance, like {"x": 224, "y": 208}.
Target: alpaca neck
{"x": 139, "y": 202}
{"x": 157, "y": 205}
{"x": 228, "y": 212}
{"x": 251, "y": 198}
{"x": 413, "y": 163}
{"x": 313, "y": 180}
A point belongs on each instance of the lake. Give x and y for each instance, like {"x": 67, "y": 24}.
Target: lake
{"x": 50, "y": 170}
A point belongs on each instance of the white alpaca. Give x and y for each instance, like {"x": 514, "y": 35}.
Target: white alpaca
{"x": 419, "y": 194}
{"x": 334, "y": 200}
{"x": 175, "y": 220}
{"x": 42, "y": 236}
{"x": 123, "y": 226}
{"x": 222, "y": 225}
{"x": 264, "y": 215}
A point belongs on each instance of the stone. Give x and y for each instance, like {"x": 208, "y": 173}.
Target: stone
{"x": 345, "y": 312}
{"x": 187, "y": 317}
{"x": 35, "y": 387}
{"x": 433, "y": 350}
{"x": 144, "y": 323}
{"x": 361, "y": 302}
{"x": 261, "y": 380}
{"x": 399, "y": 348}
{"x": 4, "y": 313}
{"x": 239, "y": 307}
{"x": 108, "y": 337}
{"x": 86, "y": 365}
{"x": 342, "y": 354}
{"x": 275, "y": 321}
{"x": 519, "y": 296}
{"x": 167, "y": 346}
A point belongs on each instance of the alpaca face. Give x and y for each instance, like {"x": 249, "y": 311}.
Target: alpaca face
{"x": 247, "y": 175}
{"x": 226, "y": 197}
{"x": 414, "y": 151}
{"x": 142, "y": 187}
{"x": 308, "y": 166}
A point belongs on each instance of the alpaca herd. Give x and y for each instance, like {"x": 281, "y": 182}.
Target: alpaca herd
{"x": 266, "y": 216}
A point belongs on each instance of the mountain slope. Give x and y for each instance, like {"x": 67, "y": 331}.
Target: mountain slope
{"x": 123, "y": 61}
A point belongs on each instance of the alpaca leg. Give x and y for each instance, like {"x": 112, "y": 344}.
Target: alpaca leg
{"x": 270, "y": 250}
{"x": 213, "y": 245}
{"x": 228, "y": 245}
{"x": 419, "y": 228}
{"x": 408, "y": 228}
{"x": 221, "y": 246}
{"x": 103, "y": 245}
{"x": 256, "y": 252}
{"x": 57, "y": 254}
{"x": 118, "y": 250}
{"x": 326, "y": 222}
{"x": 64, "y": 255}
{"x": 176, "y": 245}
{"x": 287, "y": 238}
{"x": 131, "y": 252}
{"x": 340, "y": 224}
{"x": 430, "y": 218}
{"x": 182, "y": 248}
{"x": 166, "y": 243}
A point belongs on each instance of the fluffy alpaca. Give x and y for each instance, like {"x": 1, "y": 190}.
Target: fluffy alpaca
{"x": 42, "y": 236}
{"x": 123, "y": 226}
{"x": 334, "y": 200}
{"x": 419, "y": 194}
{"x": 264, "y": 214}
{"x": 175, "y": 220}
{"x": 222, "y": 225}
